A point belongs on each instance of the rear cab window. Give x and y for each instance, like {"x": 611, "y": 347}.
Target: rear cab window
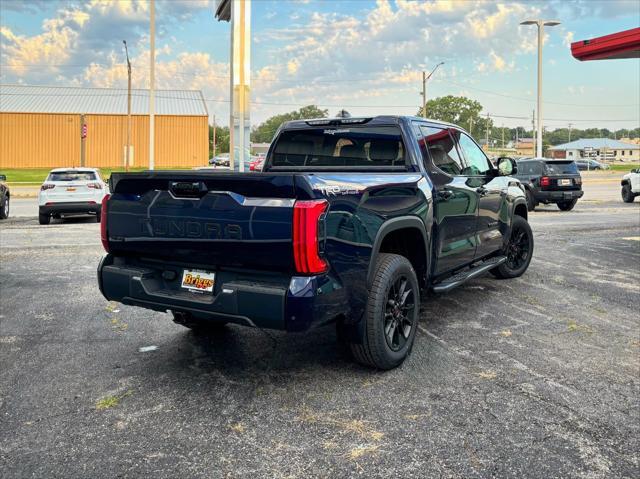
{"x": 72, "y": 176}
{"x": 530, "y": 168}
{"x": 340, "y": 146}
{"x": 562, "y": 168}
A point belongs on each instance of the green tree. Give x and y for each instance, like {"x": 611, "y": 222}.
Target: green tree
{"x": 264, "y": 132}
{"x": 461, "y": 111}
{"x": 222, "y": 140}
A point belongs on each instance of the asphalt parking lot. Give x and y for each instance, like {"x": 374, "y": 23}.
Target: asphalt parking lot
{"x": 534, "y": 377}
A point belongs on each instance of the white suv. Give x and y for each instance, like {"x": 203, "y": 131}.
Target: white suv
{"x": 70, "y": 191}
{"x": 631, "y": 186}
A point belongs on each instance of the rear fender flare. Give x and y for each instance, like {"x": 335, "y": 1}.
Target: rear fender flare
{"x": 395, "y": 224}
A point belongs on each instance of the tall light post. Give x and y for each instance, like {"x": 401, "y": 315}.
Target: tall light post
{"x": 541, "y": 24}
{"x": 425, "y": 79}
{"x": 127, "y": 160}
{"x": 152, "y": 82}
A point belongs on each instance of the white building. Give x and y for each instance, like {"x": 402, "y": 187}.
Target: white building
{"x": 601, "y": 149}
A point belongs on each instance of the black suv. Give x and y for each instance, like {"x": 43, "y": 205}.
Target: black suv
{"x": 550, "y": 181}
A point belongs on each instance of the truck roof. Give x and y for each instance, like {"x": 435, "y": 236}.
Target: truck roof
{"x": 369, "y": 120}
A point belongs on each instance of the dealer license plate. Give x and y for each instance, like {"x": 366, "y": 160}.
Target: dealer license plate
{"x": 565, "y": 182}
{"x": 198, "y": 281}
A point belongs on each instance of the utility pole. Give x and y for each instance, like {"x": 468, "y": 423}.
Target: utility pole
{"x": 152, "y": 82}
{"x": 570, "y": 124}
{"x": 487, "y": 137}
{"x": 425, "y": 79}
{"x": 533, "y": 129}
{"x": 127, "y": 160}
{"x": 214, "y": 136}
{"x": 424, "y": 94}
{"x": 83, "y": 141}
{"x": 471, "y": 126}
{"x": 540, "y": 24}
{"x": 502, "y": 135}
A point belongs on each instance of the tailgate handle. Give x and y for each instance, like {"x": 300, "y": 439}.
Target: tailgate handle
{"x": 188, "y": 189}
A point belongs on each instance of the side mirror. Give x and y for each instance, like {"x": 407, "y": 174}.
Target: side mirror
{"x": 3, "y": 178}
{"x": 507, "y": 166}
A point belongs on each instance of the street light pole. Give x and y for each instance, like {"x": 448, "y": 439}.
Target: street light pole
{"x": 425, "y": 79}
{"x": 127, "y": 152}
{"x": 152, "y": 82}
{"x": 540, "y": 24}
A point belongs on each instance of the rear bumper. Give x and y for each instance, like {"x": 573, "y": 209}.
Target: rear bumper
{"x": 555, "y": 196}
{"x": 71, "y": 207}
{"x": 252, "y": 299}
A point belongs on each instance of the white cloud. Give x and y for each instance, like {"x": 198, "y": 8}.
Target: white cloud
{"x": 568, "y": 39}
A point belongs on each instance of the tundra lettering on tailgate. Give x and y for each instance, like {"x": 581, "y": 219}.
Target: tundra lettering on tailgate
{"x": 177, "y": 228}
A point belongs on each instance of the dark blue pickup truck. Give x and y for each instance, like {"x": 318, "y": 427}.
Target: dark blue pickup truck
{"x": 351, "y": 220}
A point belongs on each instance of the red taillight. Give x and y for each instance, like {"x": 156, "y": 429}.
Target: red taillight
{"x": 545, "y": 181}
{"x": 95, "y": 186}
{"x": 47, "y": 187}
{"x": 306, "y": 216}
{"x": 103, "y": 224}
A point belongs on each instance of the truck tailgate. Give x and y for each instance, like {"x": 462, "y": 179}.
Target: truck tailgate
{"x": 216, "y": 219}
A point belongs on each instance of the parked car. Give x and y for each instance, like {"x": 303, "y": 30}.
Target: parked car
{"x": 256, "y": 163}
{"x": 220, "y": 160}
{"x": 69, "y": 192}
{"x": 550, "y": 181}
{"x": 5, "y": 196}
{"x": 591, "y": 165}
{"x": 631, "y": 185}
{"x": 350, "y": 221}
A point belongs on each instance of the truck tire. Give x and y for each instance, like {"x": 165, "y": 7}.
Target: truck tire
{"x": 531, "y": 201}
{"x": 98, "y": 216}
{"x": 391, "y": 316}
{"x": 198, "y": 326}
{"x": 567, "y": 205}
{"x": 627, "y": 194}
{"x": 4, "y": 211}
{"x": 519, "y": 250}
{"x": 44, "y": 219}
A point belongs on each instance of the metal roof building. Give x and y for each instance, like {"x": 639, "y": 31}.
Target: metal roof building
{"x": 102, "y": 101}
{"x": 597, "y": 148}
{"x": 596, "y": 143}
{"x": 42, "y": 127}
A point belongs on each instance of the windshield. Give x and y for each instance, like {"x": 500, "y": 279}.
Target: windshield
{"x": 340, "y": 146}
{"x": 562, "y": 168}
{"x": 72, "y": 176}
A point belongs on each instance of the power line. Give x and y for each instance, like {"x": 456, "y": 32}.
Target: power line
{"x": 301, "y": 104}
{"x": 312, "y": 81}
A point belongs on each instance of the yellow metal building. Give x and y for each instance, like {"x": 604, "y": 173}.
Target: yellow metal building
{"x": 40, "y": 127}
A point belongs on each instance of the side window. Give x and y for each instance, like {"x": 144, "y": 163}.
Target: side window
{"x": 442, "y": 149}
{"x": 477, "y": 162}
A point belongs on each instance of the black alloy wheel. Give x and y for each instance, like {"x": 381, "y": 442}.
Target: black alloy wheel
{"x": 518, "y": 250}
{"x": 390, "y": 321}
{"x": 398, "y": 314}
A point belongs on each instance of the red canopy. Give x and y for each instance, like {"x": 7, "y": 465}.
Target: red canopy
{"x": 617, "y": 45}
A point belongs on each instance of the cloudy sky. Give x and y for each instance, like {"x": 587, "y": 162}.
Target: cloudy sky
{"x": 365, "y": 56}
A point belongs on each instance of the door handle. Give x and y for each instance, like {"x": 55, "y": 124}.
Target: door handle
{"x": 482, "y": 191}
{"x": 445, "y": 194}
